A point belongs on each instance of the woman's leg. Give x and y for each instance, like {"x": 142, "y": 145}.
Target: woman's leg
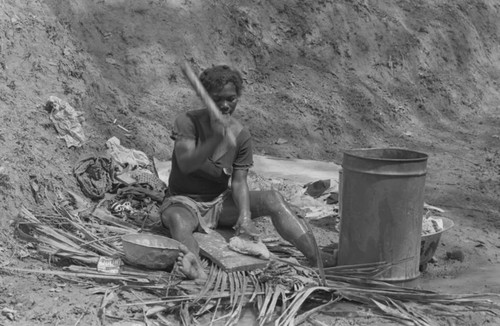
{"x": 290, "y": 226}
{"x": 181, "y": 223}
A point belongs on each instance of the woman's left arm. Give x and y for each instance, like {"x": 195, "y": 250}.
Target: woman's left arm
{"x": 241, "y": 193}
{"x": 241, "y": 197}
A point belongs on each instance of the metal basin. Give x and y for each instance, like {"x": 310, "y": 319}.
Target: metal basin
{"x": 150, "y": 251}
{"x": 430, "y": 242}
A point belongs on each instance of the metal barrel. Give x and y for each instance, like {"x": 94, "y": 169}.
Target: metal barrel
{"x": 381, "y": 209}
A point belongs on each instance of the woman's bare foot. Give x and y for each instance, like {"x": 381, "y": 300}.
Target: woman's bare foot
{"x": 190, "y": 265}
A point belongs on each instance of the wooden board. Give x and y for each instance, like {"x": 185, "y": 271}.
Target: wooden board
{"x": 214, "y": 246}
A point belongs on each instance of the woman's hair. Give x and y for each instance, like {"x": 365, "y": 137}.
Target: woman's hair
{"x": 215, "y": 78}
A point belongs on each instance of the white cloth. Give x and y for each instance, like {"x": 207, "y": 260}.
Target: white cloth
{"x": 67, "y": 121}
{"x": 124, "y": 155}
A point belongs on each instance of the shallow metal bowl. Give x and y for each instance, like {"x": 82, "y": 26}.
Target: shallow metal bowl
{"x": 150, "y": 250}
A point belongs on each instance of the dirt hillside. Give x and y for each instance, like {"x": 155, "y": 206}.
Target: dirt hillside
{"x": 320, "y": 77}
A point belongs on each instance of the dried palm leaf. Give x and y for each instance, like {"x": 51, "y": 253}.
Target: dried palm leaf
{"x": 301, "y": 318}
{"x": 216, "y": 287}
{"x": 224, "y": 283}
{"x": 241, "y": 284}
{"x": 369, "y": 271}
{"x": 119, "y": 230}
{"x": 418, "y": 296}
{"x": 265, "y": 304}
{"x": 47, "y": 250}
{"x": 70, "y": 241}
{"x": 242, "y": 290}
{"x": 35, "y": 224}
{"x": 163, "y": 320}
{"x": 188, "y": 297}
{"x": 186, "y": 318}
{"x": 232, "y": 288}
{"x": 302, "y": 269}
{"x": 404, "y": 308}
{"x": 213, "y": 296}
{"x": 91, "y": 238}
{"x": 283, "y": 292}
{"x": 65, "y": 239}
{"x": 284, "y": 299}
{"x": 256, "y": 286}
{"x": 288, "y": 316}
{"x": 216, "y": 310}
{"x": 235, "y": 293}
{"x": 272, "y": 307}
{"x": 392, "y": 309}
{"x": 108, "y": 297}
{"x": 209, "y": 283}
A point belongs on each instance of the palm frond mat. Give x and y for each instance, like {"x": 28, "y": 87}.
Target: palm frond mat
{"x": 283, "y": 294}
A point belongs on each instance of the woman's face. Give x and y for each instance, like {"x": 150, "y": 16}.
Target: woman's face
{"x": 226, "y": 99}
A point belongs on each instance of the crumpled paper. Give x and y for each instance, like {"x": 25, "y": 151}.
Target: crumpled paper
{"x": 126, "y": 156}
{"x": 67, "y": 121}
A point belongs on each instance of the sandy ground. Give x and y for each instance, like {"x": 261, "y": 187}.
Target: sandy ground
{"x": 320, "y": 78}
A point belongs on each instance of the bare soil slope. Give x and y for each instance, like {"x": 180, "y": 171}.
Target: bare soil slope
{"x": 323, "y": 75}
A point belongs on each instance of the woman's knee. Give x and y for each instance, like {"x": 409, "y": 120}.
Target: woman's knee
{"x": 274, "y": 200}
{"x": 179, "y": 219}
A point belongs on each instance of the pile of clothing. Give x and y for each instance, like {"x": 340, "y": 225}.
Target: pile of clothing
{"x": 124, "y": 182}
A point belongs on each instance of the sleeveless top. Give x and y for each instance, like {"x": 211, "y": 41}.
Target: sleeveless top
{"x": 209, "y": 181}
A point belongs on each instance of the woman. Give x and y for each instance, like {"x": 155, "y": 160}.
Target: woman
{"x": 208, "y": 181}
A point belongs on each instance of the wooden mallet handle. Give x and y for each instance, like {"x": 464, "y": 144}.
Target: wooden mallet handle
{"x": 205, "y": 98}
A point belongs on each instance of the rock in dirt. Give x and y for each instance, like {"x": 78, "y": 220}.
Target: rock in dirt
{"x": 456, "y": 254}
